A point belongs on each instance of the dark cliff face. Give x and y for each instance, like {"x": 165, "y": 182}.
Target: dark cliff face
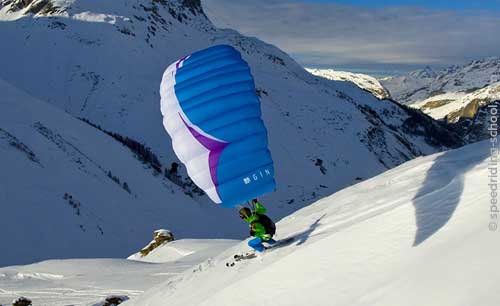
{"x": 193, "y": 5}
{"x": 479, "y": 126}
{"x": 436, "y": 133}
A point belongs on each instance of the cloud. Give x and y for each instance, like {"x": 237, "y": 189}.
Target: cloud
{"x": 319, "y": 34}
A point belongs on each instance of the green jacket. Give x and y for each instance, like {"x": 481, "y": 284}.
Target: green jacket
{"x": 256, "y": 228}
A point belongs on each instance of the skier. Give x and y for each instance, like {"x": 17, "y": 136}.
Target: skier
{"x": 261, "y": 226}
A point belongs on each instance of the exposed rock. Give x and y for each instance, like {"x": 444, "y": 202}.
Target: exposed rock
{"x": 160, "y": 237}
{"x": 22, "y": 301}
{"x": 479, "y": 126}
{"x": 112, "y": 300}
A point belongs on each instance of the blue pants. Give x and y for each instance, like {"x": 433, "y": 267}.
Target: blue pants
{"x": 257, "y": 245}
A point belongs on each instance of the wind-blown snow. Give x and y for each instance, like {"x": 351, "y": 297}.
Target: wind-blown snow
{"x": 415, "y": 235}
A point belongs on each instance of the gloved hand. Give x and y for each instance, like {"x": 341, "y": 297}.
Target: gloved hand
{"x": 266, "y": 237}
{"x": 253, "y": 226}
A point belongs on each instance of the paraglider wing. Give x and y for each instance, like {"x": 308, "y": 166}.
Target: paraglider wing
{"x": 212, "y": 113}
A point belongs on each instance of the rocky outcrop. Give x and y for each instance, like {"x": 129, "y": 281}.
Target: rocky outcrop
{"x": 160, "y": 237}
{"x": 479, "y": 126}
{"x": 112, "y": 300}
{"x": 22, "y": 301}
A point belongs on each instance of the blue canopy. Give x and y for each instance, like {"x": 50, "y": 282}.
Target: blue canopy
{"x": 212, "y": 113}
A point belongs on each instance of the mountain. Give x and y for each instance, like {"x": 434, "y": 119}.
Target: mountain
{"x": 450, "y": 94}
{"x": 363, "y": 81}
{"x": 422, "y": 235}
{"x": 69, "y": 190}
{"x": 102, "y": 62}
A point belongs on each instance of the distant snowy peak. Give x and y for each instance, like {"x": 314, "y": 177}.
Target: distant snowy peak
{"x": 452, "y": 93}
{"x": 426, "y": 73}
{"x": 363, "y": 81}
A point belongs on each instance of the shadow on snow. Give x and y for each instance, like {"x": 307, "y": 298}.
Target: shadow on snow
{"x": 439, "y": 195}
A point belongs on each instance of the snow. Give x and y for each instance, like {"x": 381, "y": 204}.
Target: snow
{"x": 458, "y": 101}
{"x": 88, "y": 281}
{"x": 163, "y": 232}
{"x": 55, "y": 190}
{"x": 400, "y": 238}
{"x": 108, "y": 69}
{"x": 456, "y": 87}
{"x": 364, "y": 81}
{"x": 175, "y": 250}
{"x": 414, "y": 235}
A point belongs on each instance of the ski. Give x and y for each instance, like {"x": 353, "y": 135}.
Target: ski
{"x": 250, "y": 255}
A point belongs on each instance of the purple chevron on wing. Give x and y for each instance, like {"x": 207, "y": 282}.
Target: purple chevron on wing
{"x": 215, "y": 147}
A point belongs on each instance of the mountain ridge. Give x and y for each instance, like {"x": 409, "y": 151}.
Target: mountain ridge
{"x": 364, "y": 81}
{"x": 451, "y": 93}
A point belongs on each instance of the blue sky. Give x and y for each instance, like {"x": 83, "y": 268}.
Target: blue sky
{"x": 432, "y": 4}
{"x": 362, "y": 35}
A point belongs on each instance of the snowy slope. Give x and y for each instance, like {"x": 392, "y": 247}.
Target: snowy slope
{"x": 103, "y": 60}
{"x": 86, "y": 281}
{"x": 364, "y": 81}
{"x": 415, "y": 235}
{"x": 57, "y": 200}
{"x": 184, "y": 249}
{"x": 452, "y": 93}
